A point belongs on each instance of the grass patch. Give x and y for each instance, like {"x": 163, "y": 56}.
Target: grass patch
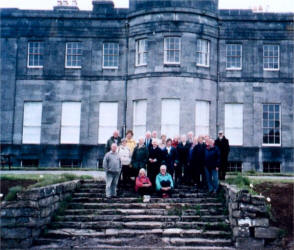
{"x": 12, "y": 193}
{"x": 255, "y": 173}
{"x": 46, "y": 179}
{"x": 240, "y": 181}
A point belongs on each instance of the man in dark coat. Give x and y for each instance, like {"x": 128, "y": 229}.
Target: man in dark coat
{"x": 154, "y": 161}
{"x": 169, "y": 157}
{"x": 223, "y": 144}
{"x": 197, "y": 162}
{"x": 148, "y": 140}
{"x": 139, "y": 157}
{"x": 113, "y": 139}
{"x": 182, "y": 160}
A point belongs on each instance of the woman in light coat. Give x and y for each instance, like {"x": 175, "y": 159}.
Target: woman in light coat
{"x": 125, "y": 156}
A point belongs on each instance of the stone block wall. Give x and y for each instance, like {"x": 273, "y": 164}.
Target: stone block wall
{"x": 249, "y": 219}
{"x": 23, "y": 220}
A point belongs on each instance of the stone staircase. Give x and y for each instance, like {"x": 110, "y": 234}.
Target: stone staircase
{"x": 189, "y": 220}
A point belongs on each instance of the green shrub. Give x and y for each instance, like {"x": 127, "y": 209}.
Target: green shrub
{"x": 240, "y": 181}
{"x": 12, "y": 193}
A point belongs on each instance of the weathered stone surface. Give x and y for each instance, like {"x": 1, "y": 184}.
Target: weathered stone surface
{"x": 15, "y": 233}
{"x": 20, "y": 204}
{"x": 261, "y": 222}
{"x": 236, "y": 213}
{"x": 253, "y": 208}
{"x": 249, "y": 243}
{"x": 46, "y": 201}
{"x": 241, "y": 231}
{"x": 16, "y": 212}
{"x": 267, "y": 232}
{"x": 257, "y": 200}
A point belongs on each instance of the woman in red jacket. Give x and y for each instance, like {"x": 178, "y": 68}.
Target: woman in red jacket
{"x": 143, "y": 184}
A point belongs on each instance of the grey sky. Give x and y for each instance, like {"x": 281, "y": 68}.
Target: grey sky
{"x": 270, "y": 5}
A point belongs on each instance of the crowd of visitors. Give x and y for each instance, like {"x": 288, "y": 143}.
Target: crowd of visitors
{"x": 159, "y": 164}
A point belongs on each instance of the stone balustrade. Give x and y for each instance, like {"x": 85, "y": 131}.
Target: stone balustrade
{"x": 249, "y": 218}
{"x": 23, "y": 220}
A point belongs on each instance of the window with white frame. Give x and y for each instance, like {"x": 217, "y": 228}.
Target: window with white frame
{"x": 35, "y": 54}
{"x": 70, "y": 123}
{"x": 271, "y": 57}
{"x": 202, "y": 52}
{"x": 139, "y": 118}
{"x": 234, "y": 56}
{"x": 108, "y": 112}
{"x": 73, "y": 58}
{"x": 110, "y": 55}
{"x": 234, "y": 123}
{"x": 141, "y": 52}
{"x": 202, "y": 118}
{"x": 271, "y": 124}
{"x": 172, "y": 50}
{"x": 32, "y": 119}
{"x": 170, "y": 117}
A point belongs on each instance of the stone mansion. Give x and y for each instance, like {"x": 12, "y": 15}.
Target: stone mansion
{"x": 69, "y": 78}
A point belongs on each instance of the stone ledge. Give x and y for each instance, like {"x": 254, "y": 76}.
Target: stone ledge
{"x": 23, "y": 220}
{"x": 249, "y": 218}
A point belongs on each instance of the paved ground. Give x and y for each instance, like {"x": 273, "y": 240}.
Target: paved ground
{"x": 101, "y": 174}
{"x": 95, "y": 174}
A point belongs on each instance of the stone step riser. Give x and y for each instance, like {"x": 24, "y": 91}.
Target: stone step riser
{"x": 168, "y": 206}
{"x": 134, "y": 212}
{"x": 123, "y": 195}
{"x": 103, "y": 235}
{"x": 139, "y": 200}
{"x": 131, "y": 219}
{"x": 136, "y": 225}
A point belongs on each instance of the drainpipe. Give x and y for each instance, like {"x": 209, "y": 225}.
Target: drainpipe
{"x": 218, "y": 79}
{"x": 126, "y": 77}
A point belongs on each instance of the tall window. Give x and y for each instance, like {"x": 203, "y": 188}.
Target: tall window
{"x": 202, "y": 118}
{"x": 271, "y": 167}
{"x": 110, "y": 55}
{"x": 70, "y": 123}
{"x": 107, "y": 120}
{"x": 202, "y": 52}
{"x": 271, "y": 54}
{"x": 234, "y": 56}
{"x": 141, "y": 52}
{"x": 271, "y": 124}
{"x": 170, "y": 117}
{"x": 139, "y": 118}
{"x": 32, "y": 120}
{"x": 35, "y": 54}
{"x": 73, "y": 58}
{"x": 172, "y": 50}
{"x": 234, "y": 123}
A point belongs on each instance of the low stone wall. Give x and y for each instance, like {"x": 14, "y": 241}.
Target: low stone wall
{"x": 249, "y": 218}
{"x": 22, "y": 220}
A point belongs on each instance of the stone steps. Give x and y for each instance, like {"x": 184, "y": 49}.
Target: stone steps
{"x": 160, "y": 211}
{"x": 139, "y": 200}
{"x": 112, "y": 232}
{"x": 81, "y": 205}
{"x": 152, "y": 217}
{"x": 140, "y": 225}
{"x": 190, "y": 219}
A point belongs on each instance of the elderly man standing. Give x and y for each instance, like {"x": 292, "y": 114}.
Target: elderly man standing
{"x": 113, "y": 139}
{"x": 112, "y": 166}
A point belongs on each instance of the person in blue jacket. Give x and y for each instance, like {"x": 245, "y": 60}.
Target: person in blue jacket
{"x": 212, "y": 163}
{"x": 164, "y": 183}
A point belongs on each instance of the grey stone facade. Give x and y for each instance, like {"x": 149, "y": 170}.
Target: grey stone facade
{"x": 252, "y": 85}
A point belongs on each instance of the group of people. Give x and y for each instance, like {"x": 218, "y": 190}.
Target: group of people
{"x": 159, "y": 164}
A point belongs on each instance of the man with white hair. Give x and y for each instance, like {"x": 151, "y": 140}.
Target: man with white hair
{"x": 113, "y": 139}
{"x": 112, "y": 166}
{"x": 190, "y": 137}
{"x": 148, "y": 140}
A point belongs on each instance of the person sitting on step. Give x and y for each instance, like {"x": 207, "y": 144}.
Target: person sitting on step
{"x": 164, "y": 183}
{"x": 143, "y": 184}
